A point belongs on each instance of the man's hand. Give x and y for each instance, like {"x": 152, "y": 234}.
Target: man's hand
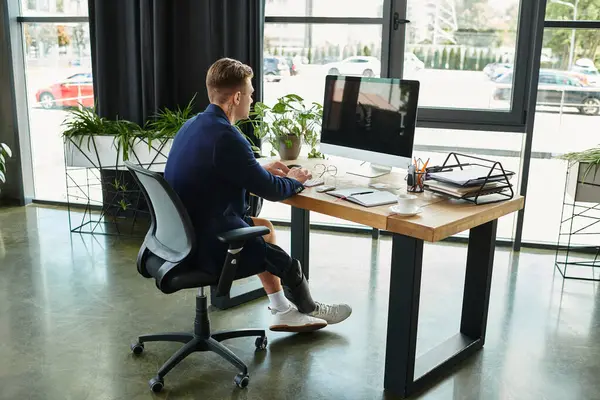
{"x": 277, "y": 168}
{"x": 299, "y": 174}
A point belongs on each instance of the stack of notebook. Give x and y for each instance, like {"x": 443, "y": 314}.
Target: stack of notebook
{"x": 467, "y": 181}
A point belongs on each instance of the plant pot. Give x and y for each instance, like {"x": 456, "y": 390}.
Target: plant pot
{"x": 289, "y": 147}
{"x": 147, "y": 156}
{"x": 92, "y": 152}
{"x": 101, "y": 152}
{"x": 583, "y": 183}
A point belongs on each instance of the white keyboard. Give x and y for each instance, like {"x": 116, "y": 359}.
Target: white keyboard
{"x": 314, "y": 182}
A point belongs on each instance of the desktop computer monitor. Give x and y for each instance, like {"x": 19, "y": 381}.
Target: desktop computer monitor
{"x": 370, "y": 119}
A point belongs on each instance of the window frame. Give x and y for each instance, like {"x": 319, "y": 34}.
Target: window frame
{"x": 512, "y": 120}
{"x": 384, "y": 21}
{"x": 22, "y": 98}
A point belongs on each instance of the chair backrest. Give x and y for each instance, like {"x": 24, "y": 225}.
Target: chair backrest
{"x": 171, "y": 236}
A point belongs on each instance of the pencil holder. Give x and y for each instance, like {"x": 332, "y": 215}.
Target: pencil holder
{"x": 416, "y": 184}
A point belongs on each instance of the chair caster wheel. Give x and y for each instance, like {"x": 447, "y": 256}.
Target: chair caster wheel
{"x": 156, "y": 384}
{"x": 261, "y": 343}
{"x": 137, "y": 348}
{"x": 241, "y": 380}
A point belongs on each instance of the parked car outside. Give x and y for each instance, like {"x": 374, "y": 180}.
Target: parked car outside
{"x": 70, "y": 92}
{"x": 412, "y": 63}
{"x": 556, "y": 89}
{"x": 496, "y": 70}
{"x": 592, "y": 75}
{"x": 296, "y": 63}
{"x": 275, "y": 68}
{"x": 355, "y": 65}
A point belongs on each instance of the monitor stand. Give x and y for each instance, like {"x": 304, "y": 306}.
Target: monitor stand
{"x": 371, "y": 170}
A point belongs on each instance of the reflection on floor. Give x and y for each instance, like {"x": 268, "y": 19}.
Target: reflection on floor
{"x": 71, "y": 304}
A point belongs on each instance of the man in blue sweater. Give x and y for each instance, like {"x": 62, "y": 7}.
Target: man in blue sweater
{"x": 211, "y": 166}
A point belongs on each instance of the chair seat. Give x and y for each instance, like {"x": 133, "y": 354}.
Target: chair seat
{"x": 186, "y": 276}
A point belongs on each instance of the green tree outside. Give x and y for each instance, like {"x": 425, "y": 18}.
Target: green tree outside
{"x": 444, "y": 62}
{"x": 452, "y": 64}
{"x": 587, "y": 41}
{"x": 436, "y": 59}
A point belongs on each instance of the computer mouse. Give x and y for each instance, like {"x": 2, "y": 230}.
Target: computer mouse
{"x": 294, "y": 166}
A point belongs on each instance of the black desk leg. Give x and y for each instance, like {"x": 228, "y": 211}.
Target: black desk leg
{"x": 478, "y": 280}
{"x": 300, "y": 234}
{"x": 375, "y": 233}
{"x": 404, "y": 373}
{"x": 403, "y": 313}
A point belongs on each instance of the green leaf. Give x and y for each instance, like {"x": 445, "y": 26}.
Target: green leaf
{"x": 6, "y": 149}
{"x": 2, "y": 178}
{"x": 260, "y": 107}
{"x": 279, "y": 108}
{"x": 294, "y": 97}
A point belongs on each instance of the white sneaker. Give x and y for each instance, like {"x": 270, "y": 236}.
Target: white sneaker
{"x": 293, "y": 320}
{"x": 333, "y": 314}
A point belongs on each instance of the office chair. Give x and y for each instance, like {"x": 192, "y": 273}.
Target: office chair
{"x": 168, "y": 255}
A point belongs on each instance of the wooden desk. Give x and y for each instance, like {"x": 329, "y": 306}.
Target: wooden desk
{"x": 404, "y": 373}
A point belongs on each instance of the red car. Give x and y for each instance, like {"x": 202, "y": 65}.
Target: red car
{"x": 75, "y": 89}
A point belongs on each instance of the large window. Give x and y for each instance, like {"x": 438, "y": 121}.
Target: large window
{"x": 449, "y": 44}
{"x": 298, "y": 56}
{"x": 567, "y": 115}
{"x": 306, "y": 40}
{"x": 58, "y": 75}
{"x": 452, "y": 47}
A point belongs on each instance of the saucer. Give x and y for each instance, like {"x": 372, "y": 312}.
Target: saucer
{"x": 395, "y": 210}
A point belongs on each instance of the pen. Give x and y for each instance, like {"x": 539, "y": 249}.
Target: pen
{"x": 423, "y": 172}
{"x": 356, "y": 194}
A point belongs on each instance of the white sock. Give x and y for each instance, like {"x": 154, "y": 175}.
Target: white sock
{"x": 278, "y": 301}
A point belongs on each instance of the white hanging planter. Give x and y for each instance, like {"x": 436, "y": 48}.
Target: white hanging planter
{"x": 103, "y": 152}
{"x": 583, "y": 183}
{"x": 94, "y": 151}
{"x": 147, "y": 156}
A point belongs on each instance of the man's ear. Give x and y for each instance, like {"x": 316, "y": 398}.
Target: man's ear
{"x": 237, "y": 98}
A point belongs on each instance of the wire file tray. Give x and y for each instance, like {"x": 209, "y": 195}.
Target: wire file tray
{"x": 492, "y": 180}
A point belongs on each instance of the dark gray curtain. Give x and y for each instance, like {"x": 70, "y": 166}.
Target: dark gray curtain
{"x": 151, "y": 54}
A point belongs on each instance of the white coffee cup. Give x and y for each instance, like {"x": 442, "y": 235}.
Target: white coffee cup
{"x": 407, "y": 203}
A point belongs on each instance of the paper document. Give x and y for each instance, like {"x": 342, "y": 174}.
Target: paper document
{"x": 461, "y": 190}
{"x": 471, "y": 175}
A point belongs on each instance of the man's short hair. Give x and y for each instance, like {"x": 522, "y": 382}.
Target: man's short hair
{"x": 225, "y": 77}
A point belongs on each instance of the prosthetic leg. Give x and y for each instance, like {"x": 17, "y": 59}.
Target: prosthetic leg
{"x": 295, "y": 287}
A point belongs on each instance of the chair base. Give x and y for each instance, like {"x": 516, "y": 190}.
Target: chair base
{"x": 199, "y": 341}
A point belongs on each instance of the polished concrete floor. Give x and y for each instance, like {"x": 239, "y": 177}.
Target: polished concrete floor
{"x": 71, "y": 304}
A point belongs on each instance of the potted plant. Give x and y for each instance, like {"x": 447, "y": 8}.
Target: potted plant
{"x": 288, "y": 124}
{"x": 97, "y": 142}
{"x": 583, "y": 180}
{"x": 5, "y": 153}
{"x": 92, "y": 141}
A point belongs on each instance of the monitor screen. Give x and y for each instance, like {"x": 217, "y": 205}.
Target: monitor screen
{"x": 376, "y": 115}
